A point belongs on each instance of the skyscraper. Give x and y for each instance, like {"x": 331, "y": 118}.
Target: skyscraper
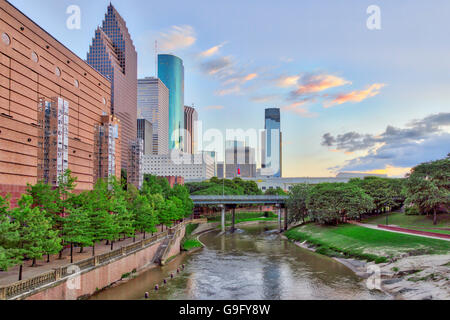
{"x": 113, "y": 54}
{"x": 190, "y": 125}
{"x": 145, "y": 132}
{"x": 171, "y": 73}
{"x": 239, "y": 160}
{"x": 153, "y": 106}
{"x": 271, "y": 164}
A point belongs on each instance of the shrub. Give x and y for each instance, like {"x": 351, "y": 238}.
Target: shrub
{"x": 412, "y": 211}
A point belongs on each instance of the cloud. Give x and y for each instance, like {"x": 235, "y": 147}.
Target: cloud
{"x": 315, "y": 83}
{"x": 265, "y": 98}
{"x": 227, "y": 91}
{"x": 355, "y": 96}
{"x": 287, "y": 81}
{"x": 217, "y": 65}
{"x": 241, "y": 79}
{"x": 286, "y": 59}
{"x": 178, "y": 37}
{"x": 214, "y": 107}
{"x": 298, "y": 108}
{"x": 422, "y": 140}
{"x": 211, "y": 51}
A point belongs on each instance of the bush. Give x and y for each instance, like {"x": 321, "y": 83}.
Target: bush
{"x": 412, "y": 211}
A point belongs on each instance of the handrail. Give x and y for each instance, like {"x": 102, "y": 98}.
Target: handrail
{"x": 20, "y": 287}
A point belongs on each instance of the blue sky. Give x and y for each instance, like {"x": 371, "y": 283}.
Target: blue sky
{"x": 381, "y": 95}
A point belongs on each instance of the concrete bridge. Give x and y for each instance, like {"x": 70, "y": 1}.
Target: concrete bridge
{"x": 231, "y": 202}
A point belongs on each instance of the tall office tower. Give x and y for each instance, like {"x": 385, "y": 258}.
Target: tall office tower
{"x": 272, "y": 155}
{"x": 145, "y": 132}
{"x": 113, "y": 54}
{"x": 171, "y": 73}
{"x": 190, "y": 125}
{"x": 239, "y": 160}
{"x": 153, "y": 106}
{"x": 51, "y": 101}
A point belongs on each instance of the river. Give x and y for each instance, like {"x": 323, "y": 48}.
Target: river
{"x": 254, "y": 263}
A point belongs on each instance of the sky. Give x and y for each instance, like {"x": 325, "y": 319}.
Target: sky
{"x": 351, "y": 98}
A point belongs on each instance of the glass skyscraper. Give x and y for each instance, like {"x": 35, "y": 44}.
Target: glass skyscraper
{"x": 271, "y": 144}
{"x": 113, "y": 54}
{"x": 171, "y": 73}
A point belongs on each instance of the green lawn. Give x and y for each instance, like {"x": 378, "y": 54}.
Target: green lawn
{"x": 364, "y": 243}
{"x": 402, "y": 220}
{"x": 189, "y": 244}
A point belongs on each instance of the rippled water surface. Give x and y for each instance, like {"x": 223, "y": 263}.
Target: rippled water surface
{"x": 253, "y": 263}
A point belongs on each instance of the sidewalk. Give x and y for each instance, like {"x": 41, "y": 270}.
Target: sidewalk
{"x": 12, "y": 275}
{"x": 370, "y": 226}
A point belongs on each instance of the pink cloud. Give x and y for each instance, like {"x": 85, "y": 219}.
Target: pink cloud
{"x": 355, "y": 96}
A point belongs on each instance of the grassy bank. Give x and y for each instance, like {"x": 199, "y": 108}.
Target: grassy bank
{"x": 421, "y": 223}
{"x": 189, "y": 242}
{"x": 363, "y": 243}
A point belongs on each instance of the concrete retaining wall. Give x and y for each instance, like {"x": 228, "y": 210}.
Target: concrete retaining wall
{"x": 101, "y": 276}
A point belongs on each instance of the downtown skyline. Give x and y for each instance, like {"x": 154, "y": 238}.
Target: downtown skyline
{"x": 351, "y": 99}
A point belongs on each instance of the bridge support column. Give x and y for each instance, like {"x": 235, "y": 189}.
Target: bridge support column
{"x": 285, "y": 219}
{"x": 223, "y": 218}
{"x": 233, "y": 220}
{"x": 279, "y": 218}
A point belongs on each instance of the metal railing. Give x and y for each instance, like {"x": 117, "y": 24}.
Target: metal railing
{"x": 24, "y": 286}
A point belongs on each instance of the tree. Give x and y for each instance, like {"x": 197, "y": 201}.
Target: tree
{"x": 102, "y": 225}
{"x": 332, "y": 203}
{"x": 36, "y": 236}
{"x": 297, "y": 201}
{"x": 379, "y": 189}
{"x": 9, "y": 236}
{"x": 145, "y": 218}
{"x": 182, "y": 193}
{"x": 76, "y": 229}
{"x": 428, "y": 187}
{"x": 275, "y": 192}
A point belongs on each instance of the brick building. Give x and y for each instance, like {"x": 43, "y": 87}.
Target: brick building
{"x": 40, "y": 78}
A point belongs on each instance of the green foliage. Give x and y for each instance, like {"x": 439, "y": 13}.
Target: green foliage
{"x": 36, "y": 236}
{"x": 275, "y": 192}
{"x": 190, "y": 244}
{"x": 412, "y": 211}
{"x": 297, "y": 203}
{"x": 329, "y": 203}
{"x": 428, "y": 187}
{"x": 76, "y": 227}
{"x": 182, "y": 193}
{"x": 386, "y": 193}
{"x": 216, "y": 186}
{"x": 9, "y": 236}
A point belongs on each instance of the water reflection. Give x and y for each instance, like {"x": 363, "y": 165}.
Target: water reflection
{"x": 253, "y": 263}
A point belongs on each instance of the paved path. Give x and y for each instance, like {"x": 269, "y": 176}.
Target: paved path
{"x": 12, "y": 275}
{"x": 371, "y": 226}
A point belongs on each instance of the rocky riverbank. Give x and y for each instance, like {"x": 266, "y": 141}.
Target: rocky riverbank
{"x": 425, "y": 277}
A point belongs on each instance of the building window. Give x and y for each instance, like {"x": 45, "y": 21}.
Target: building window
{"x": 104, "y": 100}
{"x": 58, "y": 72}
{"x": 6, "y": 40}
{"x": 76, "y": 83}
{"x": 34, "y": 57}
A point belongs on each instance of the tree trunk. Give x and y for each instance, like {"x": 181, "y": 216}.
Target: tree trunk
{"x": 34, "y": 263}
{"x": 20, "y": 272}
{"x": 60, "y": 254}
{"x": 48, "y": 258}
{"x": 93, "y": 249}
{"x": 71, "y": 252}
{"x": 144, "y": 234}
{"x": 107, "y": 242}
{"x": 112, "y": 245}
{"x": 435, "y": 217}
{"x": 81, "y": 249}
